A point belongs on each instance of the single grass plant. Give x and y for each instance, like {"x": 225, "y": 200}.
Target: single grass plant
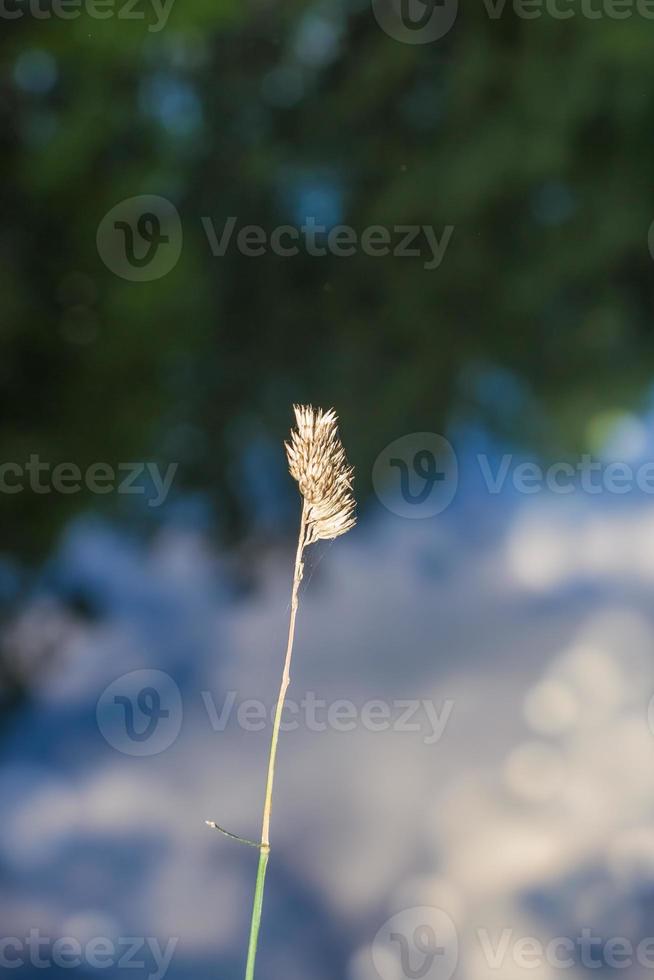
{"x": 317, "y": 462}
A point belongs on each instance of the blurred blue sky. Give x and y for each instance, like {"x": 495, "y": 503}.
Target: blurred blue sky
{"x": 530, "y": 615}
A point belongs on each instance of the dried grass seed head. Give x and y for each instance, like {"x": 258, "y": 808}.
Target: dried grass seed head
{"x": 316, "y": 459}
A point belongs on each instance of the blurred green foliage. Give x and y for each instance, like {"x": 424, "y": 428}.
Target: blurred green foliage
{"x": 532, "y": 138}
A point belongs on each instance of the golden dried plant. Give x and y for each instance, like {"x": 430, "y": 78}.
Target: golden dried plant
{"x": 316, "y": 459}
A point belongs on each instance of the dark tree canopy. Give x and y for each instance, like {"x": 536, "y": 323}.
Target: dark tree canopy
{"x": 532, "y": 138}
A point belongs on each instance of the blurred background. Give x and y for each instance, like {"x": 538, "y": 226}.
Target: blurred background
{"x": 504, "y": 624}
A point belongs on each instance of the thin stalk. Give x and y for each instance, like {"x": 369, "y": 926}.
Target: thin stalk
{"x": 264, "y": 854}
{"x": 264, "y": 847}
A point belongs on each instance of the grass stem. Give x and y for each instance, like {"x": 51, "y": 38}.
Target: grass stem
{"x": 264, "y": 847}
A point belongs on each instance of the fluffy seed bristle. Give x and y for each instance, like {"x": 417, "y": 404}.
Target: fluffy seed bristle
{"x": 316, "y": 459}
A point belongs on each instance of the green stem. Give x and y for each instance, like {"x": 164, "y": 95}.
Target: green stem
{"x": 264, "y": 854}
{"x": 264, "y": 847}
